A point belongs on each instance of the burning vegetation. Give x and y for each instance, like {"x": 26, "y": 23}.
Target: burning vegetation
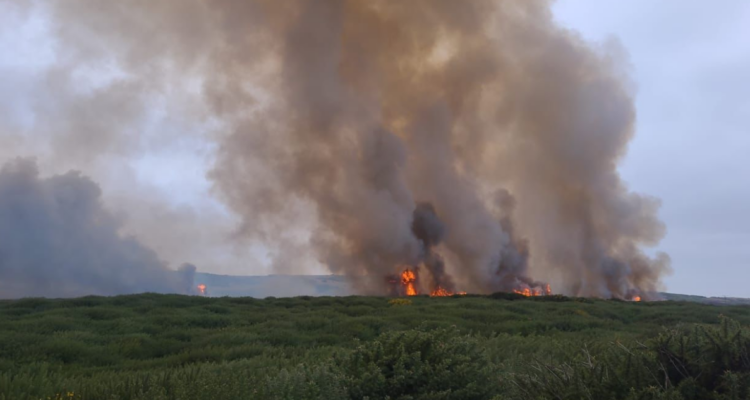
{"x": 440, "y": 292}
{"x": 430, "y": 231}
{"x": 408, "y": 281}
{"x": 475, "y": 142}
{"x": 534, "y": 292}
{"x": 407, "y": 285}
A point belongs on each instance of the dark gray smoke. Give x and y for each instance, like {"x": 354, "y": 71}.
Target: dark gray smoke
{"x": 345, "y": 115}
{"x": 430, "y": 231}
{"x": 514, "y": 259}
{"x": 57, "y": 240}
{"x": 187, "y": 276}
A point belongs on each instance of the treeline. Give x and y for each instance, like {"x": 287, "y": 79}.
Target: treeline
{"x": 468, "y": 347}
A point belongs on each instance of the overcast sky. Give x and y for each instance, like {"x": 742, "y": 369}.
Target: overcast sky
{"x": 690, "y": 62}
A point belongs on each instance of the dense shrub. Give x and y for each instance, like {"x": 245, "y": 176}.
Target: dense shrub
{"x": 552, "y": 298}
{"x": 684, "y": 363}
{"x": 169, "y": 347}
{"x": 508, "y": 296}
{"x": 323, "y": 382}
{"x": 420, "y": 365}
{"x": 712, "y": 359}
{"x": 399, "y": 302}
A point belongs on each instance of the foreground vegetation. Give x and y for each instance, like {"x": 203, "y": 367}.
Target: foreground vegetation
{"x": 471, "y": 347}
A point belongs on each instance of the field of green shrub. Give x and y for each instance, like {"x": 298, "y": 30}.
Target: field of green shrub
{"x": 152, "y": 347}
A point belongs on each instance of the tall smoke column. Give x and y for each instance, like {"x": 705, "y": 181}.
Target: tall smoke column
{"x": 346, "y": 114}
{"x": 515, "y": 257}
{"x": 428, "y": 228}
{"x": 187, "y": 274}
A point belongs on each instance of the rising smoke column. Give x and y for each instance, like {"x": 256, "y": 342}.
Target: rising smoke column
{"x": 58, "y": 241}
{"x": 348, "y": 114}
{"x": 430, "y": 231}
{"x": 384, "y": 105}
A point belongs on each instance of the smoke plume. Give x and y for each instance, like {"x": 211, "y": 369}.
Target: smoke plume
{"x": 476, "y": 138}
{"x": 58, "y": 241}
{"x": 430, "y": 231}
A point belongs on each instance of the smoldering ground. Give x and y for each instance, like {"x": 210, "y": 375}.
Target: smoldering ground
{"x": 347, "y": 114}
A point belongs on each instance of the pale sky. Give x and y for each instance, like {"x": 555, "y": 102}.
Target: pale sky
{"x": 690, "y": 62}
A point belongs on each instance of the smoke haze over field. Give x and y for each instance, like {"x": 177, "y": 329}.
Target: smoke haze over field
{"x": 58, "y": 241}
{"x": 475, "y": 138}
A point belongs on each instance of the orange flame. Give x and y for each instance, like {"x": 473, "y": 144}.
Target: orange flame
{"x": 408, "y": 278}
{"x": 202, "y": 289}
{"x": 535, "y": 292}
{"x": 409, "y": 282}
{"x": 442, "y": 292}
{"x": 636, "y": 298}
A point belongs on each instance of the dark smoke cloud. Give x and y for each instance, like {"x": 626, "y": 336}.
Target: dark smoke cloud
{"x": 514, "y": 259}
{"x": 430, "y": 231}
{"x": 349, "y": 114}
{"x": 59, "y": 241}
{"x": 139, "y": 134}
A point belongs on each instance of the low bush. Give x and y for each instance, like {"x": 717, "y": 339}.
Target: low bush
{"x": 508, "y": 296}
{"x": 168, "y": 347}
{"x": 399, "y": 302}
{"x": 683, "y": 363}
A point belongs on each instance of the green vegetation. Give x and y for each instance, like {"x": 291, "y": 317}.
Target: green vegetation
{"x": 469, "y": 347}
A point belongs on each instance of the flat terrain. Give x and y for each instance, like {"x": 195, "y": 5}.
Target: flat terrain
{"x": 502, "y": 346}
{"x": 337, "y": 285}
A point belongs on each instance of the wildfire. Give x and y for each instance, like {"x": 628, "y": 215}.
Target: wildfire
{"x": 202, "y": 289}
{"x": 636, "y": 298}
{"x": 408, "y": 279}
{"x": 442, "y": 292}
{"x": 534, "y": 292}
{"x": 408, "y": 283}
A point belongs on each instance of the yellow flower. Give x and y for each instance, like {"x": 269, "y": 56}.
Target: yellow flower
{"x": 399, "y": 302}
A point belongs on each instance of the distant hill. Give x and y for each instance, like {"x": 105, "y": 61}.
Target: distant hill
{"x": 337, "y": 285}
{"x": 728, "y": 301}
{"x": 273, "y": 285}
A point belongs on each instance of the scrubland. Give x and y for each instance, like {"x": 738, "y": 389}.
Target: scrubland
{"x": 502, "y": 346}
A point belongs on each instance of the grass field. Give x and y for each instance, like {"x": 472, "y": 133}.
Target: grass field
{"x": 472, "y": 347}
